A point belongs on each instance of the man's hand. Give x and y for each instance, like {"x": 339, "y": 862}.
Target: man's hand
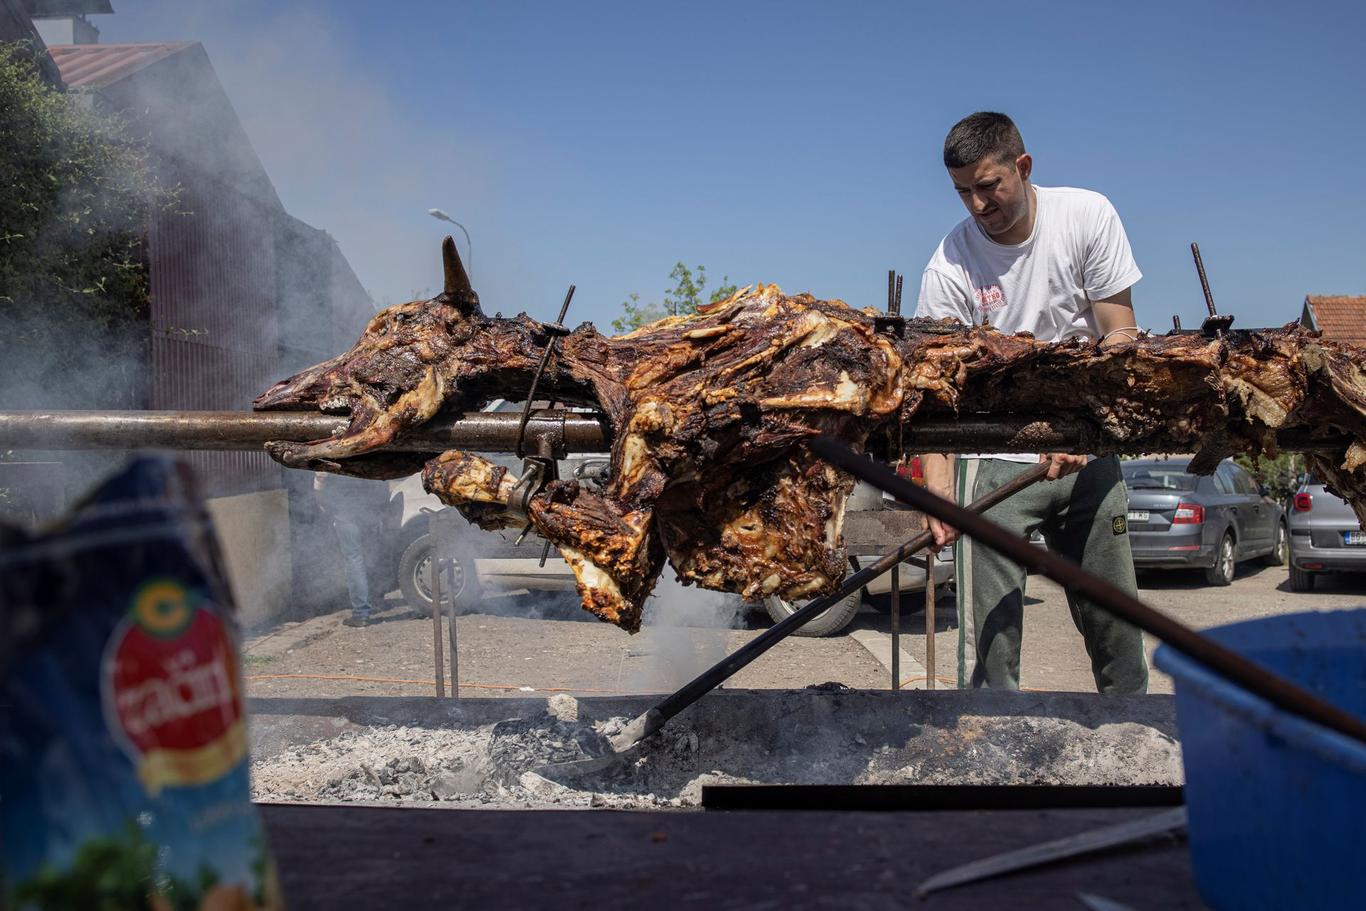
{"x": 944, "y": 535}
{"x": 1062, "y": 464}
{"x": 939, "y": 481}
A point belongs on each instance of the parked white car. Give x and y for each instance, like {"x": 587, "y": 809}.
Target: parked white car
{"x": 494, "y": 561}
{"x": 485, "y": 561}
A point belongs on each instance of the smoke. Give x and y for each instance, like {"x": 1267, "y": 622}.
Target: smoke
{"x": 344, "y": 152}
{"x": 684, "y": 631}
{"x": 291, "y": 159}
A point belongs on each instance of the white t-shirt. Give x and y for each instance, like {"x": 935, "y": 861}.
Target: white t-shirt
{"x": 1077, "y": 253}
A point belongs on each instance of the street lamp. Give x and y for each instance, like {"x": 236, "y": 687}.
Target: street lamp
{"x": 442, "y": 216}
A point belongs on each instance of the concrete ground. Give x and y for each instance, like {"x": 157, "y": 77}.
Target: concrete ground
{"x": 503, "y": 651}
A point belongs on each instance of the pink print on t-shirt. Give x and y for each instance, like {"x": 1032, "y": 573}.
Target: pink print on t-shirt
{"x": 990, "y": 299}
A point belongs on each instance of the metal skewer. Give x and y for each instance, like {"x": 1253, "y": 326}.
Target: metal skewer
{"x": 555, "y": 330}
{"x": 1215, "y": 324}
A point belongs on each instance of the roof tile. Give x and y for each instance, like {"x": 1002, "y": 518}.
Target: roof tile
{"x": 1339, "y": 316}
{"x": 94, "y": 66}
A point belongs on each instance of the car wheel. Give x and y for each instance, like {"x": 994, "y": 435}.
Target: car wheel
{"x": 826, "y": 623}
{"x": 1278, "y": 551}
{"x": 415, "y": 578}
{"x": 1300, "y": 580}
{"x": 1221, "y": 573}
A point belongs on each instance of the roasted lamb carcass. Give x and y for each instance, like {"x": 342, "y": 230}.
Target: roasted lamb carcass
{"x": 710, "y": 414}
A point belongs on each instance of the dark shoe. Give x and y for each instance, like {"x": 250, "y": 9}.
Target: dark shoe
{"x": 358, "y": 620}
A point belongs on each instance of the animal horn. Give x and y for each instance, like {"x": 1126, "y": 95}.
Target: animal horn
{"x": 458, "y": 289}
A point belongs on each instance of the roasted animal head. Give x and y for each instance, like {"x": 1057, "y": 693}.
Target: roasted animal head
{"x": 389, "y": 380}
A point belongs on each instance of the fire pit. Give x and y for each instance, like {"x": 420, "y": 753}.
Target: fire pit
{"x": 477, "y": 752}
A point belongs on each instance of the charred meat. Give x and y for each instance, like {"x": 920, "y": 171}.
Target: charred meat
{"x": 710, "y": 413}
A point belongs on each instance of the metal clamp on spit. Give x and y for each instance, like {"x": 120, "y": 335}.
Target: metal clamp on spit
{"x": 1216, "y": 324}
{"x": 893, "y": 323}
{"x": 543, "y": 467}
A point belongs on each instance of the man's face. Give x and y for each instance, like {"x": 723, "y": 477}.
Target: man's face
{"x": 995, "y": 194}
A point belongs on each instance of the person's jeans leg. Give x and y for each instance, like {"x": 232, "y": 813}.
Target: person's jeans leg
{"x": 1093, "y": 532}
{"x": 997, "y": 583}
{"x": 351, "y": 545}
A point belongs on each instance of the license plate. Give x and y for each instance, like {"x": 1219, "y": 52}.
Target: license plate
{"x": 1138, "y": 515}
{"x": 1354, "y": 537}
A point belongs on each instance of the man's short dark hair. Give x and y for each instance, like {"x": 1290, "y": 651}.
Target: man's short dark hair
{"x": 982, "y": 135}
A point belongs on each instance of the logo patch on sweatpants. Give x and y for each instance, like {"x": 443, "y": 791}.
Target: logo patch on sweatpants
{"x": 1119, "y": 524}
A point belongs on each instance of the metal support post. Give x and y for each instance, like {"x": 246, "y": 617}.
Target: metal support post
{"x": 896, "y": 626}
{"x": 930, "y": 626}
{"x": 436, "y": 625}
{"x": 451, "y": 634}
{"x": 444, "y": 528}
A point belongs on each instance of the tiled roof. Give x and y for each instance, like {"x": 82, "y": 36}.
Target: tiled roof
{"x": 94, "y": 66}
{"x": 68, "y": 7}
{"x": 1339, "y": 317}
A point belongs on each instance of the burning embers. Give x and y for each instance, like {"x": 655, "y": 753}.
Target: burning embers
{"x": 710, "y": 413}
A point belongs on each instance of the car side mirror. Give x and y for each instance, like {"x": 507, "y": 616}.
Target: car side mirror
{"x": 1264, "y": 490}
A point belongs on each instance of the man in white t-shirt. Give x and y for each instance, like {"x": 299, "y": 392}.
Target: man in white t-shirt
{"x": 1054, "y": 262}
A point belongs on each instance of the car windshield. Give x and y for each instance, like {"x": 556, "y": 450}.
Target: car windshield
{"x": 1157, "y": 477}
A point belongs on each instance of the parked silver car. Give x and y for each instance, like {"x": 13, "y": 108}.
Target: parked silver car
{"x": 1178, "y": 520}
{"x": 1325, "y": 535}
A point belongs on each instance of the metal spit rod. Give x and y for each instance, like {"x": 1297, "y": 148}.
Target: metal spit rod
{"x": 486, "y": 432}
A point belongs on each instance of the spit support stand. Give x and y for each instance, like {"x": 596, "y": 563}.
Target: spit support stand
{"x": 434, "y": 561}
{"x": 444, "y": 527}
{"x": 452, "y": 639}
{"x": 930, "y": 626}
{"x": 896, "y": 627}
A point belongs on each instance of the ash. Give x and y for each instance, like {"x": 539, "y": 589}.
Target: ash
{"x": 490, "y": 766}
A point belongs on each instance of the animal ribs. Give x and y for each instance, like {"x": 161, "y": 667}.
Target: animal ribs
{"x": 710, "y": 414}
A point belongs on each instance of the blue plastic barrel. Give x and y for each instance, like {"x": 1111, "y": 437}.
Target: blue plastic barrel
{"x": 1277, "y": 803}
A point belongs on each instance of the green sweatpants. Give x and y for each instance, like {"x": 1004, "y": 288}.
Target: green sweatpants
{"x": 1082, "y": 517}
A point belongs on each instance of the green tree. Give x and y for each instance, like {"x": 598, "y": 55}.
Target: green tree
{"x": 1281, "y": 475}
{"x": 683, "y": 298}
{"x": 76, "y": 193}
{"x": 107, "y": 873}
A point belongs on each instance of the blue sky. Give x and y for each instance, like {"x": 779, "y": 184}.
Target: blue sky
{"x": 598, "y": 143}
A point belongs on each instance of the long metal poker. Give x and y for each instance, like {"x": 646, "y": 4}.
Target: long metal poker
{"x": 653, "y": 719}
{"x": 1225, "y": 662}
